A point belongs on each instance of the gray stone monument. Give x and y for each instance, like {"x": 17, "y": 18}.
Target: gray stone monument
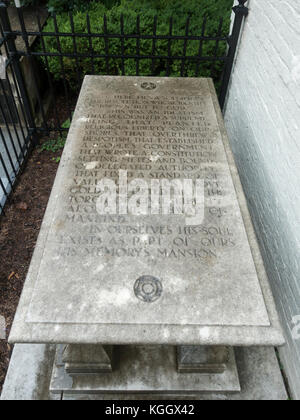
{"x": 147, "y": 273}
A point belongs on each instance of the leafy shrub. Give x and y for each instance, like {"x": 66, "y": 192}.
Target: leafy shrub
{"x": 57, "y": 144}
{"x": 60, "y": 6}
{"x": 130, "y": 9}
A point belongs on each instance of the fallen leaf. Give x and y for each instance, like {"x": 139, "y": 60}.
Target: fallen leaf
{"x": 11, "y": 275}
{"x": 22, "y": 206}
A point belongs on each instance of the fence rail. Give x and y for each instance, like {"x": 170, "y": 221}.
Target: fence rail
{"x": 62, "y": 58}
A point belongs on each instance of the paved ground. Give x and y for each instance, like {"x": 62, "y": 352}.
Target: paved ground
{"x": 258, "y": 368}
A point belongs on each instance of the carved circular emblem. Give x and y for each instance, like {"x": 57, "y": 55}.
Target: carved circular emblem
{"x": 148, "y": 86}
{"x": 148, "y": 289}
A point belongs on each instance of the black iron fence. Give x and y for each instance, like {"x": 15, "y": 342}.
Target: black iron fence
{"x": 47, "y": 65}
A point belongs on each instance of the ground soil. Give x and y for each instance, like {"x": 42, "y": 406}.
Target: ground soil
{"x": 19, "y": 229}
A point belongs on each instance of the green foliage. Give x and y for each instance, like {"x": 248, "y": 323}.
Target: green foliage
{"x": 67, "y": 124}
{"x": 147, "y": 9}
{"x": 55, "y": 145}
{"x": 60, "y": 6}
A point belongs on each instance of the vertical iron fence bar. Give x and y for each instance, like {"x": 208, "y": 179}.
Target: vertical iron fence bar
{"x": 241, "y": 12}
{"x": 122, "y": 43}
{"x": 7, "y": 149}
{"x": 154, "y": 45}
{"x": 12, "y": 116}
{"x": 22, "y": 105}
{"x": 91, "y": 49}
{"x": 138, "y": 31}
{"x": 30, "y": 58}
{"x": 219, "y": 34}
{"x": 75, "y": 49}
{"x": 18, "y": 118}
{"x": 18, "y": 93}
{"x": 9, "y": 135}
{"x": 20, "y": 101}
{"x": 106, "y": 41}
{"x": 169, "y": 61}
{"x": 200, "y": 52}
{"x": 62, "y": 65}
{"x": 5, "y": 192}
{"x": 12, "y": 50}
{"x": 17, "y": 90}
{"x": 1, "y": 184}
{"x": 187, "y": 29}
{"x": 6, "y": 173}
{"x": 58, "y": 123}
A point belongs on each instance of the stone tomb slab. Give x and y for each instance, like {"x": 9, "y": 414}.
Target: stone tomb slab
{"x": 147, "y": 279}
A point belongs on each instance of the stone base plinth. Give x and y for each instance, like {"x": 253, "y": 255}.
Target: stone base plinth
{"x": 258, "y": 368}
{"x": 145, "y": 370}
{"x": 203, "y": 359}
{"x": 87, "y": 360}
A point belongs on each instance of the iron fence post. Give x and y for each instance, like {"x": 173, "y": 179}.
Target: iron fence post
{"x": 241, "y": 11}
{"x": 10, "y": 41}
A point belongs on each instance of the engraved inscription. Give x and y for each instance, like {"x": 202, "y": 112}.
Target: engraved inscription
{"x": 197, "y": 273}
{"x": 151, "y": 138}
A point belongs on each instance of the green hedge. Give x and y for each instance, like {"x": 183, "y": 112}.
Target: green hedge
{"x": 60, "y": 6}
{"x": 147, "y": 9}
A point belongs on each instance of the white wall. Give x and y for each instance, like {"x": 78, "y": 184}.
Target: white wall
{"x": 262, "y": 116}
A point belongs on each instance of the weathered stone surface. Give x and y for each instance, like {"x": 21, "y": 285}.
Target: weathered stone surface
{"x": 202, "y": 359}
{"x": 2, "y": 328}
{"x": 147, "y": 279}
{"x": 29, "y": 373}
{"x": 87, "y": 359}
{"x": 259, "y": 374}
{"x": 146, "y": 370}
